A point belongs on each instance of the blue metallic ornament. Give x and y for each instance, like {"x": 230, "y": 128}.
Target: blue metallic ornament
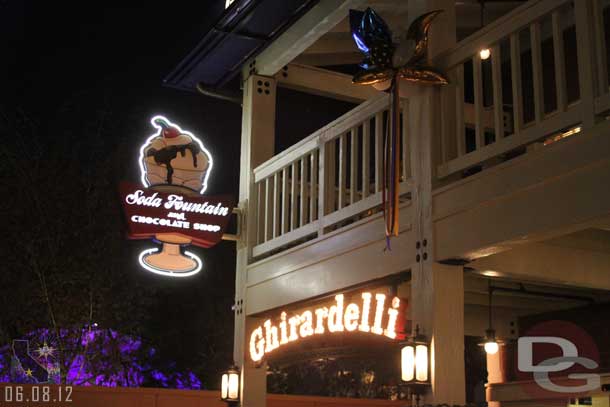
{"x": 374, "y": 39}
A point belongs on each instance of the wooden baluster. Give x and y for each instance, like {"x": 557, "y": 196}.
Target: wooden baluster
{"x": 537, "y": 71}
{"x": 515, "y": 65}
{"x": 600, "y": 47}
{"x": 303, "y": 192}
{"x": 313, "y": 197}
{"x": 378, "y": 151}
{"x": 353, "y": 164}
{"x": 285, "y": 193}
{"x": 586, "y": 70}
{"x": 260, "y": 219}
{"x": 560, "y": 67}
{"x": 331, "y": 176}
{"x": 366, "y": 156}
{"x": 496, "y": 68}
{"x": 276, "y": 204}
{"x": 293, "y": 196}
{"x": 459, "y": 111}
{"x": 479, "y": 127}
{"x": 268, "y": 211}
{"x": 323, "y": 171}
{"x": 406, "y": 155}
{"x": 342, "y": 159}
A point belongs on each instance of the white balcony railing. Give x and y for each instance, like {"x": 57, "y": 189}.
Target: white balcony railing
{"x": 547, "y": 75}
{"x": 325, "y": 181}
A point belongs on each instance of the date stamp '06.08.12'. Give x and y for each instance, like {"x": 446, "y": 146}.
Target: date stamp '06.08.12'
{"x": 36, "y": 395}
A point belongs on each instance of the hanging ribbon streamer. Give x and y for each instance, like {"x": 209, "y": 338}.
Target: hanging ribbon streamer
{"x": 385, "y": 61}
{"x": 391, "y": 166}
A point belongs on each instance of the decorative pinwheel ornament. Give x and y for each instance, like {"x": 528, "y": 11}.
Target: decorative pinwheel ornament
{"x": 387, "y": 62}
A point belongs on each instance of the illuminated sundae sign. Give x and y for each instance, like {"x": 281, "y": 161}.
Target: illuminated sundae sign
{"x": 169, "y": 206}
{"x": 368, "y": 313}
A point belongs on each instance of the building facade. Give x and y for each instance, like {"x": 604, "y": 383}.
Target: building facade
{"x": 504, "y": 216}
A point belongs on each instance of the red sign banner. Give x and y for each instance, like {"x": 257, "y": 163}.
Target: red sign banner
{"x": 203, "y": 219}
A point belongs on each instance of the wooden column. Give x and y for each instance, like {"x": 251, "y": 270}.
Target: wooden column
{"x": 437, "y": 290}
{"x": 257, "y": 146}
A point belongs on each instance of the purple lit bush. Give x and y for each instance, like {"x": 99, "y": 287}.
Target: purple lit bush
{"x": 101, "y": 357}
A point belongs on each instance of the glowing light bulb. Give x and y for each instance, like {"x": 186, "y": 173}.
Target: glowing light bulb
{"x": 491, "y": 347}
{"x": 485, "y": 53}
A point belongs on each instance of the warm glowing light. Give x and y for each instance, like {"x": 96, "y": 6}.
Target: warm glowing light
{"x": 366, "y": 309}
{"x": 421, "y": 363}
{"x": 392, "y": 317}
{"x": 271, "y": 337}
{"x": 229, "y": 387}
{"x": 228, "y": 3}
{"x": 485, "y": 53}
{"x": 306, "y": 328}
{"x": 204, "y": 184}
{"x": 491, "y": 347}
{"x": 407, "y": 358}
{"x": 224, "y": 386}
{"x": 257, "y": 344}
{"x": 376, "y": 329}
{"x": 321, "y": 313}
{"x": 557, "y": 137}
{"x": 352, "y": 313}
{"x": 168, "y": 273}
{"x": 233, "y": 386}
{"x": 338, "y": 317}
{"x": 335, "y": 315}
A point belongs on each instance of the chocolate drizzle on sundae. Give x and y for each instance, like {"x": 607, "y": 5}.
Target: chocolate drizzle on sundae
{"x": 165, "y": 155}
{"x": 165, "y": 160}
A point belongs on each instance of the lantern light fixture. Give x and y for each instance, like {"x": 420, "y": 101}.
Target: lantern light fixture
{"x": 491, "y": 344}
{"x": 415, "y": 363}
{"x": 484, "y": 53}
{"x": 229, "y": 388}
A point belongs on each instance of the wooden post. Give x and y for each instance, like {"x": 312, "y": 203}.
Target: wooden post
{"x": 257, "y": 145}
{"x": 437, "y": 290}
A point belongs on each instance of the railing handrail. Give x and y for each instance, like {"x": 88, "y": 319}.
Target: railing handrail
{"x": 495, "y": 31}
{"x": 324, "y": 134}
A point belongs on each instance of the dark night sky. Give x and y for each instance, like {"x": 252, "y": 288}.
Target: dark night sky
{"x": 91, "y": 57}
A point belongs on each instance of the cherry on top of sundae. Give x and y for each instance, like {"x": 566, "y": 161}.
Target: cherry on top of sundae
{"x": 167, "y": 130}
{"x": 174, "y": 157}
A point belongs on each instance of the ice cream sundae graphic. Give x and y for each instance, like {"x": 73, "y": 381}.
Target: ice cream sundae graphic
{"x": 174, "y": 158}
{"x": 173, "y": 161}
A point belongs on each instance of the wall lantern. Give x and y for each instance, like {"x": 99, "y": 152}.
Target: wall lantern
{"x": 415, "y": 363}
{"x": 229, "y": 389}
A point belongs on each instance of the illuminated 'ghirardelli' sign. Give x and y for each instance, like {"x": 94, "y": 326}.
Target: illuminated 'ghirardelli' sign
{"x": 369, "y": 313}
{"x": 168, "y": 206}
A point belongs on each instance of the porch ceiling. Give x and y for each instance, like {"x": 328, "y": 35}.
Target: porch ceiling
{"x": 579, "y": 259}
{"x": 337, "y": 47}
